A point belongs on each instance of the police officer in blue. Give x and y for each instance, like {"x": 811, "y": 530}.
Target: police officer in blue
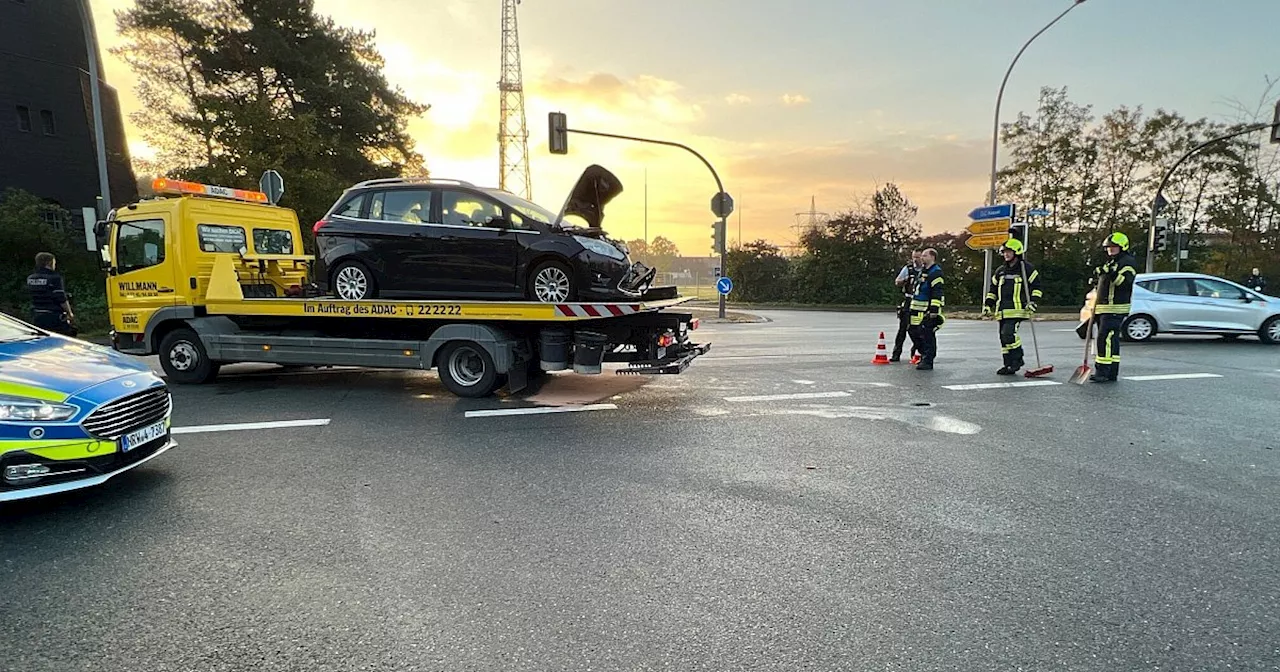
{"x": 50, "y": 303}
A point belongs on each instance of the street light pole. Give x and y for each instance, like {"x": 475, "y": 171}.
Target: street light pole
{"x": 995, "y": 132}
{"x": 95, "y": 95}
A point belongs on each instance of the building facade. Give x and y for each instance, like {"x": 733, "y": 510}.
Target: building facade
{"x": 47, "y": 144}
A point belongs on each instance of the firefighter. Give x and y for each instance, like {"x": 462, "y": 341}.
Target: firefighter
{"x": 906, "y": 281}
{"x": 1012, "y": 296}
{"x": 1114, "y": 291}
{"x": 926, "y": 309}
{"x": 50, "y": 304}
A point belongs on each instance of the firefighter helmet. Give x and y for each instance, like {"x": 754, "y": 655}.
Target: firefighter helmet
{"x": 1118, "y": 239}
{"x": 1014, "y": 245}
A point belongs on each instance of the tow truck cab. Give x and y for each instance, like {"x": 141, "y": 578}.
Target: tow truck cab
{"x": 203, "y": 276}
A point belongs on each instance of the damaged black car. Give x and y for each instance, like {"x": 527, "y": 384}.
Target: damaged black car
{"x": 430, "y": 238}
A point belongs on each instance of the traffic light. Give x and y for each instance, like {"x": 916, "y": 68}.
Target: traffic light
{"x": 558, "y": 125}
{"x": 717, "y": 237}
{"x": 1019, "y": 231}
{"x": 1160, "y": 240}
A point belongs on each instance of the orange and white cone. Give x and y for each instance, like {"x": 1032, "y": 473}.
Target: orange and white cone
{"x": 882, "y": 353}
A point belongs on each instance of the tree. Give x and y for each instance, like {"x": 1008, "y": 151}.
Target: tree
{"x": 662, "y": 253}
{"x": 261, "y": 84}
{"x": 760, "y": 273}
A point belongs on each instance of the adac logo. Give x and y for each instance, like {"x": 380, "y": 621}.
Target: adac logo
{"x": 129, "y": 383}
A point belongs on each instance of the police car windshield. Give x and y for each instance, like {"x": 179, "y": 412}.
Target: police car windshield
{"x": 13, "y": 330}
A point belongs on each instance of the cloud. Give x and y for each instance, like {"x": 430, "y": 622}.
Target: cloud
{"x": 792, "y": 100}
{"x": 737, "y": 99}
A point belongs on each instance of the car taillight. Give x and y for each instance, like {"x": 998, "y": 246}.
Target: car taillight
{"x": 666, "y": 340}
{"x": 316, "y": 228}
{"x": 693, "y": 324}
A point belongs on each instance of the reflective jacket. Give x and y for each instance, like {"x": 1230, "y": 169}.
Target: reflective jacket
{"x": 1007, "y": 296}
{"x": 47, "y": 291}
{"x": 929, "y": 291}
{"x": 1115, "y": 284}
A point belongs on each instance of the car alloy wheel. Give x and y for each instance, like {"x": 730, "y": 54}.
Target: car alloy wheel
{"x": 1271, "y": 330}
{"x": 351, "y": 283}
{"x": 551, "y": 285}
{"x": 1139, "y": 328}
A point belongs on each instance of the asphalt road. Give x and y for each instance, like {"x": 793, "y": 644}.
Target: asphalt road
{"x": 782, "y": 505}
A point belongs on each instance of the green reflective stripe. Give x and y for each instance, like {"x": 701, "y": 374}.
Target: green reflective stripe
{"x": 1009, "y": 314}
{"x": 1035, "y": 293}
{"x": 13, "y": 389}
{"x": 935, "y": 281}
{"x": 917, "y": 304}
{"x": 936, "y": 302}
{"x": 1034, "y": 274}
{"x": 60, "y": 449}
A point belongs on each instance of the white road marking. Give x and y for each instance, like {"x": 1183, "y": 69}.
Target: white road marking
{"x": 240, "y": 426}
{"x": 1174, "y": 376}
{"x": 997, "y": 386}
{"x": 786, "y": 397}
{"x": 714, "y": 358}
{"x": 1064, "y": 331}
{"x": 539, "y": 410}
{"x": 804, "y": 382}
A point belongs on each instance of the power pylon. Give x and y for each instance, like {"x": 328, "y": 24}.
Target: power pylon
{"x": 513, "y": 131}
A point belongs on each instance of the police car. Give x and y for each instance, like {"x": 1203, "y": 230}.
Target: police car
{"x": 73, "y": 414}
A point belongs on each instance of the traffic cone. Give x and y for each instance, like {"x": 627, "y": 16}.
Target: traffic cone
{"x": 915, "y": 359}
{"x": 882, "y": 353}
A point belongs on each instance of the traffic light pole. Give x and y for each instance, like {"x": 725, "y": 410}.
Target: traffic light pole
{"x": 1164, "y": 182}
{"x": 719, "y": 184}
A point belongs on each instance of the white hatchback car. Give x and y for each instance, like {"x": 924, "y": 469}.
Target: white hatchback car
{"x": 1192, "y": 303}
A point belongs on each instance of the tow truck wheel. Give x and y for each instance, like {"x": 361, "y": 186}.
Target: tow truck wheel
{"x": 467, "y": 370}
{"x": 184, "y": 360}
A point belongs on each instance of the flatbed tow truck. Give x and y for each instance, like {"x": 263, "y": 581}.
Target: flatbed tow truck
{"x": 184, "y": 284}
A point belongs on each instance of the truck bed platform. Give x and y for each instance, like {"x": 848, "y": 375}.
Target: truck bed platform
{"x": 225, "y": 297}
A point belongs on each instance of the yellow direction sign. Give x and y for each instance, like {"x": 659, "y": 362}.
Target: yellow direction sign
{"x": 990, "y": 226}
{"x": 984, "y": 241}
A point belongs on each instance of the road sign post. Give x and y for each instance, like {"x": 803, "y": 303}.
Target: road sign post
{"x": 272, "y": 185}
{"x": 989, "y": 228}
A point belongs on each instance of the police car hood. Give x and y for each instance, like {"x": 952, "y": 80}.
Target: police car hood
{"x": 44, "y": 366}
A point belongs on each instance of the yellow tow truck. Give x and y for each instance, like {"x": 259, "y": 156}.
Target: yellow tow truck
{"x": 203, "y": 276}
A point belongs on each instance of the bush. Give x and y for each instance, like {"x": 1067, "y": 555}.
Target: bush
{"x": 26, "y": 229}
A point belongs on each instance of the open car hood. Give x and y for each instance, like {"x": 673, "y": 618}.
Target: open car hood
{"x": 594, "y": 189}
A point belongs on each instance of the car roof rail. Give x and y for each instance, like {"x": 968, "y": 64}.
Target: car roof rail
{"x": 411, "y": 180}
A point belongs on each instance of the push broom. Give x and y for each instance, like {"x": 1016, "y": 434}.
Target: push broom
{"x": 1041, "y": 369}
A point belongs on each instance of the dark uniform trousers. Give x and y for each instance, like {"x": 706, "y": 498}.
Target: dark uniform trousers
{"x": 924, "y": 333}
{"x": 1011, "y": 342}
{"x": 904, "y": 328}
{"x": 1108, "y": 359}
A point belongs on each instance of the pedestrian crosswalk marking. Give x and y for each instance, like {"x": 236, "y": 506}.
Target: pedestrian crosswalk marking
{"x": 1173, "y": 376}
{"x": 996, "y": 386}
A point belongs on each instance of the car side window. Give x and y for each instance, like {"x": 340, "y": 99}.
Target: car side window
{"x": 1176, "y": 286}
{"x": 410, "y": 206}
{"x": 351, "y": 208}
{"x": 463, "y": 209}
{"x": 1216, "y": 289}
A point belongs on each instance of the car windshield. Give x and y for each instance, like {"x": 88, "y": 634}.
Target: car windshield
{"x": 527, "y": 208}
{"x": 12, "y": 330}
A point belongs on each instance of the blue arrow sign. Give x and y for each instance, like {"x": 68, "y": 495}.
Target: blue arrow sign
{"x": 724, "y": 285}
{"x": 1038, "y": 212}
{"x": 992, "y": 212}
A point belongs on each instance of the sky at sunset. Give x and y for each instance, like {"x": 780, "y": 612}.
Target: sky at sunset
{"x": 824, "y": 98}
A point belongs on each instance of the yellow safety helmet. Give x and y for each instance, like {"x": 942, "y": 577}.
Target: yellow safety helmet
{"x": 1014, "y": 245}
{"x": 1118, "y": 239}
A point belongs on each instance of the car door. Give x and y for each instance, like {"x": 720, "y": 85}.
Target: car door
{"x": 401, "y": 239}
{"x": 1221, "y": 306}
{"x": 1171, "y": 302}
{"x": 475, "y": 249}
{"x": 142, "y": 272}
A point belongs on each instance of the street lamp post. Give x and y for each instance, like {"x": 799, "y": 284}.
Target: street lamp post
{"x": 995, "y": 133}
{"x": 95, "y": 97}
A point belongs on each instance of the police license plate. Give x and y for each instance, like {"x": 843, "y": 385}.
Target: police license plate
{"x": 139, "y": 437}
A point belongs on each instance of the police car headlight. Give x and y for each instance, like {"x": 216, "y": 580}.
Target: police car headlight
{"x": 600, "y": 247}
{"x": 33, "y": 410}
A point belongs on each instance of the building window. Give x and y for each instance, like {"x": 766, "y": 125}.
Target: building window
{"x": 46, "y": 120}
{"x": 24, "y": 119}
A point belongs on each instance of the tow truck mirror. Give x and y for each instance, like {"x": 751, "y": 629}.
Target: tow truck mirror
{"x": 99, "y": 228}
{"x": 104, "y": 259}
